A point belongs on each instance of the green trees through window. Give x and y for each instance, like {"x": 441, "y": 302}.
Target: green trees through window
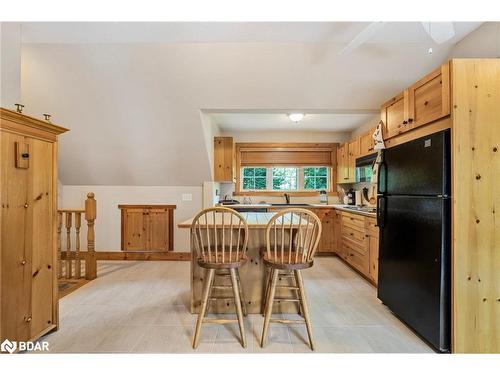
{"x": 315, "y": 178}
{"x": 285, "y": 178}
{"x": 254, "y": 178}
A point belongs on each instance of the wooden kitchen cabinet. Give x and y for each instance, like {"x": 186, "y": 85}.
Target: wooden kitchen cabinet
{"x": 367, "y": 143}
{"x": 342, "y": 167}
{"x": 346, "y": 161}
{"x": 147, "y": 227}
{"x": 359, "y": 244}
{"x": 429, "y": 98}
{"x": 224, "y": 160}
{"x": 372, "y": 233}
{"x": 326, "y": 242}
{"x": 28, "y": 250}
{"x": 337, "y": 230}
{"x": 394, "y": 114}
{"x": 424, "y": 102}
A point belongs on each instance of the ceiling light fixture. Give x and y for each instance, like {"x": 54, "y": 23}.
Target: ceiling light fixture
{"x": 295, "y": 117}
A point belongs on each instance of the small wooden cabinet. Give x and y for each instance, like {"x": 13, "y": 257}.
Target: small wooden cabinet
{"x": 394, "y": 114}
{"x": 326, "y": 242}
{"x": 337, "y": 230}
{"x": 28, "y": 250}
{"x": 367, "y": 143}
{"x": 224, "y": 162}
{"x": 147, "y": 227}
{"x": 426, "y": 101}
{"x": 429, "y": 98}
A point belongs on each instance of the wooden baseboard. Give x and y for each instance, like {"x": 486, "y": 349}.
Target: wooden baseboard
{"x": 142, "y": 255}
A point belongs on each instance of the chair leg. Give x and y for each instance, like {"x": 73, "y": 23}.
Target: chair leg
{"x": 242, "y": 296}
{"x": 266, "y": 291}
{"x": 269, "y": 306}
{"x": 203, "y": 308}
{"x": 305, "y": 309}
{"x": 237, "y": 302}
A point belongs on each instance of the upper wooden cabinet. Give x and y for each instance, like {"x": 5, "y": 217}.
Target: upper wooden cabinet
{"x": 147, "y": 227}
{"x": 366, "y": 143}
{"x": 342, "y": 173}
{"x": 223, "y": 159}
{"x": 393, "y": 114}
{"x": 426, "y": 101}
{"x": 429, "y": 98}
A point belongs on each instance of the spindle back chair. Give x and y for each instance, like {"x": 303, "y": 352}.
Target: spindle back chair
{"x": 292, "y": 238}
{"x": 219, "y": 236}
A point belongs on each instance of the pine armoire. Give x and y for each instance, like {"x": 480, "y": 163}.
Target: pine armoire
{"x": 28, "y": 195}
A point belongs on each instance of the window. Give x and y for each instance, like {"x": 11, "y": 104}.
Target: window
{"x": 254, "y": 178}
{"x": 285, "y": 178}
{"x": 315, "y": 178}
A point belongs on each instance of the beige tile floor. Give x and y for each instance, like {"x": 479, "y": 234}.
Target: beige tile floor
{"x": 142, "y": 307}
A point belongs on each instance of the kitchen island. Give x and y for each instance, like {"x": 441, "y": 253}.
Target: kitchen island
{"x": 252, "y": 274}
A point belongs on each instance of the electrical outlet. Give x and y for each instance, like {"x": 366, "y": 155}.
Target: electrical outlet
{"x": 187, "y": 197}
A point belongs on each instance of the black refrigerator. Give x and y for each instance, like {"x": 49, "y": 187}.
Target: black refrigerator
{"x": 414, "y": 213}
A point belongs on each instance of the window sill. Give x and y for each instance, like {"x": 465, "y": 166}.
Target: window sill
{"x": 280, "y": 193}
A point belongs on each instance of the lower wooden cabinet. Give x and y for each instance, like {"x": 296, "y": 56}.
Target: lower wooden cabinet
{"x": 147, "y": 227}
{"x": 359, "y": 243}
{"x": 326, "y": 241}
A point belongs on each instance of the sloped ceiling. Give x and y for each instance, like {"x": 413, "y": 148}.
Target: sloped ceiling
{"x": 133, "y": 105}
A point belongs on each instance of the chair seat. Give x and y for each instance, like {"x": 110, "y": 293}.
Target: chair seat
{"x": 270, "y": 262}
{"x": 229, "y": 262}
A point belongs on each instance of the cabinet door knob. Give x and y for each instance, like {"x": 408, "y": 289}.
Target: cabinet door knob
{"x": 28, "y": 319}
{"x": 23, "y": 262}
{"x": 26, "y": 205}
{"x": 410, "y": 120}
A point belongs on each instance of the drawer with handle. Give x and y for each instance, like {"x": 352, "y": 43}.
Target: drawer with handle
{"x": 354, "y": 235}
{"x": 356, "y": 259}
{"x": 353, "y": 220}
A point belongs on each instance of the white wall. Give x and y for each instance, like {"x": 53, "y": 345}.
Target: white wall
{"x": 10, "y": 61}
{"x": 482, "y": 42}
{"x": 107, "y": 226}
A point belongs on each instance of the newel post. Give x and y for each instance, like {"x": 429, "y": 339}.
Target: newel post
{"x": 90, "y": 216}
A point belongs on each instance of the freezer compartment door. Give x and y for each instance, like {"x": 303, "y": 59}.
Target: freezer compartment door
{"x": 414, "y": 264}
{"x": 418, "y": 167}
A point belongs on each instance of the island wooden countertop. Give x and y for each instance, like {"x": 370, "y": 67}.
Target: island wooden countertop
{"x": 255, "y": 220}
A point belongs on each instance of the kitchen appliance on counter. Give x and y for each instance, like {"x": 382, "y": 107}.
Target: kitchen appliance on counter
{"x": 364, "y": 168}
{"x": 351, "y": 197}
{"x": 414, "y": 213}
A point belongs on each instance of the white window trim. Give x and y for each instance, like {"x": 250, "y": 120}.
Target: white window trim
{"x": 300, "y": 179}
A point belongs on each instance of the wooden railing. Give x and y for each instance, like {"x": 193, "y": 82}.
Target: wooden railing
{"x": 72, "y": 262}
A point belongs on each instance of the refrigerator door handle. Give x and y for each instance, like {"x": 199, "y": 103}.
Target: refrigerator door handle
{"x": 380, "y": 211}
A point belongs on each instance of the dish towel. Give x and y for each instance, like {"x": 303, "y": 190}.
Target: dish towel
{"x": 378, "y": 138}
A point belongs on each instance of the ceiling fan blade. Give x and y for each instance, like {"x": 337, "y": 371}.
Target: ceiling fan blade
{"x": 362, "y": 37}
{"x": 440, "y": 32}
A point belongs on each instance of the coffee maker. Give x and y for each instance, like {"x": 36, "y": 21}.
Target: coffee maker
{"x": 351, "y": 197}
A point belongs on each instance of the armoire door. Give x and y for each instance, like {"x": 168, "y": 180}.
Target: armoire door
{"x": 40, "y": 238}
{"x": 15, "y": 260}
{"x": 135, "y": 231}
{"x": 158, "y": 235}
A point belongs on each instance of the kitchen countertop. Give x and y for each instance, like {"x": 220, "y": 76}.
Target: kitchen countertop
{"x": 337, "y": 206}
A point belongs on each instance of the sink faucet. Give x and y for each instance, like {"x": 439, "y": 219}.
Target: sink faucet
{"x": 287, "y": 198}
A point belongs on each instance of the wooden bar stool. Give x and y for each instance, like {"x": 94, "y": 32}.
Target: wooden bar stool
{"x": 220, "y": 235}
{"x": 292, "y": 237}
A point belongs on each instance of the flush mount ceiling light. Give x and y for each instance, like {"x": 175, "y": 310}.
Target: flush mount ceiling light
{"x": 296, "y": 117}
